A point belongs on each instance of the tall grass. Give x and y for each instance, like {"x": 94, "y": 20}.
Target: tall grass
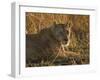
{"x": 79, "y": 39}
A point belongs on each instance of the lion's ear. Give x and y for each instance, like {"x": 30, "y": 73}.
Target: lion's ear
{"x": 69, "y": 24}
{"x": 53, "y": 26}
{"x": 66, "y": 24}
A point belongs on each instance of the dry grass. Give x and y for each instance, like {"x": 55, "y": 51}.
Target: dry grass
{"x": 79, "y": 39}
{"x": 37, "y": 21}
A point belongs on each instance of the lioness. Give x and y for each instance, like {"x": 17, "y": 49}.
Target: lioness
{"x": 45, "y": 45}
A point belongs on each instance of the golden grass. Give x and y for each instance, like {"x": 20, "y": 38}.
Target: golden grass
{"x": 79, "y": 43}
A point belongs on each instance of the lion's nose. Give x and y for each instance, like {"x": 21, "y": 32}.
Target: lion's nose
{"x": 66, "y": 40}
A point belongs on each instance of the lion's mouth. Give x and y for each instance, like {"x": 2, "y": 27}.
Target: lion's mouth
{"x": 64, "y": 42}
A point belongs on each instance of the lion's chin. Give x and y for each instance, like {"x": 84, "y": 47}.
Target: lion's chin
{"x": 64, "y": 43}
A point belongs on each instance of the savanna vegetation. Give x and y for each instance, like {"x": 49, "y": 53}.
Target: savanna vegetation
{"x": 78, "y": 49}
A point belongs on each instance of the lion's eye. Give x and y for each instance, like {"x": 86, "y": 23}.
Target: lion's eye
{"x": 67, "y": 32}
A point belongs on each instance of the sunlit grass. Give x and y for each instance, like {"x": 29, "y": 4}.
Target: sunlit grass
{"x": 79, "y": 39}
